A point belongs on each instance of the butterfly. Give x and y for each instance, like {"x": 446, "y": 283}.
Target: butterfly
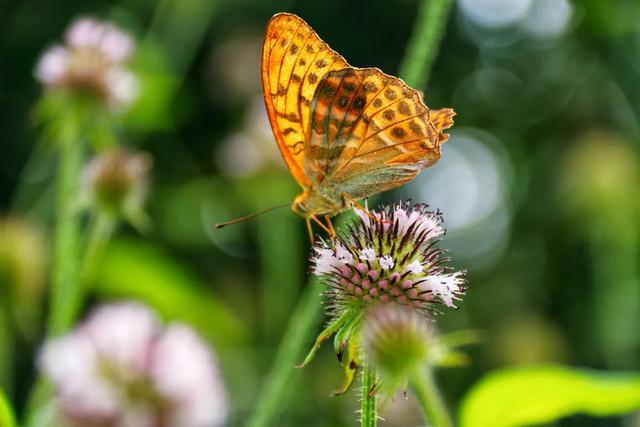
{"x": 345, "y": 133}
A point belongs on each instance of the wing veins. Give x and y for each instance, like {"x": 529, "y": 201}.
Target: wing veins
{"x": 282, "y": 33}
{"x": 306, "y": 133}
{"x": 284, "y": 55}
{"x": 293, "y": 71}
{"x": 326, "y": 161}
{"x": 355, "y": 93}
{"x": 390, "y": 146}
{"x": 391, "y": 125}
{"x": 362, "y": 141}
{"x": 367, "y": 138}
{"x": 366, "y": 129}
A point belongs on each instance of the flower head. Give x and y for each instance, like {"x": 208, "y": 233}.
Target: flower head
{"x": 387, "y": 258}
{"x": 391, "y": 258}
{"x": 120, "y": 368}
{"x": 116, "y": 181}
{"x": 92, "y": 59}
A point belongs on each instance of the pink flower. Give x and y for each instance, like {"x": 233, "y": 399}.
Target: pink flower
{"x": 393, "y": 258}
{"x": 91, "y": 60}
{"x": 120, "y": 368}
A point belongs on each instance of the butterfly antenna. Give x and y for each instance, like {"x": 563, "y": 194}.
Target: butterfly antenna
{"x": 248, "y": 217}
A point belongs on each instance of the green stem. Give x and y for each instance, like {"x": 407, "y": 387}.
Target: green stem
{"x": 101, "y": 227}
{"x": 423, "y": 45}
{"x": 369, "y": 414}
{"x": 100, "y": 230}
{"x": 426, "y": 390}
{"x": 66, "y": 270}
{"x": 7, "y": 347}
{"x": 7, "y": 417}
{"x": 304, "y": 319}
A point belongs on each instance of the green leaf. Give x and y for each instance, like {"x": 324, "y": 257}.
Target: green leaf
{"x": 136, "y": 269}
{"x": 7, "y": 418}
{"x": 533, "y": 395}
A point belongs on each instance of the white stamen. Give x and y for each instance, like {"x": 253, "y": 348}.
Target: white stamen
{"x": 343, "y": 255}
{"x": 415, "y": 267}
{"x": 445, "y": 287}
{"x": 368, "y": 254}
{"x": 386, "y": 262}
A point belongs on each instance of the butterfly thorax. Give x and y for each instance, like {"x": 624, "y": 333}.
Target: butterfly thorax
{"x": 321, "y": 200}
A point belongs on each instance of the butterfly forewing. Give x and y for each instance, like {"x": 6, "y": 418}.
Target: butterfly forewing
{"x": 370, "y": 132}
{"x": 294, "y": 61}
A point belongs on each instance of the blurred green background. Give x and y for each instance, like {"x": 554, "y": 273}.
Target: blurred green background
{"x": 539, "y": 183}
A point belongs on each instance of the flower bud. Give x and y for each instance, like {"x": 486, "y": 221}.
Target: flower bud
{"x": 116, "y": 181}
{"x": 397, "y": 340}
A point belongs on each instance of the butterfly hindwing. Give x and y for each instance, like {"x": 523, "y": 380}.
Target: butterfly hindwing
{"x": 294, "y": 61}
{"x": 370, "y": 132}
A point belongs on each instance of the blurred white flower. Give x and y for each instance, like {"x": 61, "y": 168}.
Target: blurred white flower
{"x": 548, "y": 18}
{"x": 472, "y": 182}
{"x": 120, "y": 368}
{"x": 93, "y": 60}
{"x": 251, "y": 149}
{"x": 495, "y": 13}
{"x": 542, "y": 19}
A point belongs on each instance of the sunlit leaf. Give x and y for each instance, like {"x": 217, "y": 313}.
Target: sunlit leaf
{"x": 7, "y": 418}
{"x": 534, "y": 395}
{"x": 136, "y": 269}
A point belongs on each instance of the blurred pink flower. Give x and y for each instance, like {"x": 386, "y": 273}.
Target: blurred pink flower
{"x": 92, "y": 59}
{"x": 120, "y": 368}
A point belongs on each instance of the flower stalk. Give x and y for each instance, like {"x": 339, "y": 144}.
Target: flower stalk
{"x": 368, "y": 407}
{"x": 422, "y": 49}
{"x": 101, "y": 227}
{"x": 303, "y": 320}
{"x": 431, "y": 402}
{"x": 66, "y": 236}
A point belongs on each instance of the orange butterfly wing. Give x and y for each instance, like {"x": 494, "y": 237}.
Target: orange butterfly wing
{"x": 370, "y": 132}
{"x": 294, "y": 61}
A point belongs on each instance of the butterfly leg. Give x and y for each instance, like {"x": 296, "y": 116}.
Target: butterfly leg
{"x": 348, "y": 199}
{"x": 332, "y": 230}
{"x": 324, "y": 227}
{"x": 309, "y": 230}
